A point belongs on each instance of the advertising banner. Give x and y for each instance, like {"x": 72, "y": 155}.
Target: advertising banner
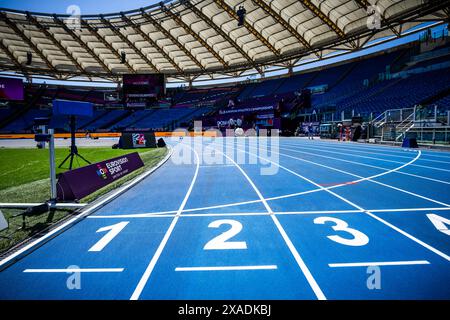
{"x": 78, "y": 183}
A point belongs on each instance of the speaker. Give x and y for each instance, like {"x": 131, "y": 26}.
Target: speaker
{"x": 29, "y": 58}
{"x": 410, "y": 143}
{"x": 161, "y": 143}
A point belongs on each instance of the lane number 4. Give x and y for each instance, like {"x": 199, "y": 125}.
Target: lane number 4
{"x": 440, "y": 223}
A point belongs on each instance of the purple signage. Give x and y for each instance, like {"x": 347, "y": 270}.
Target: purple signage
{"x": 11, "y": 89}
{"x": 78, "y": 183}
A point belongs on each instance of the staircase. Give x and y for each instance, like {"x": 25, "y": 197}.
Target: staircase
{"x": 403, "y": 127}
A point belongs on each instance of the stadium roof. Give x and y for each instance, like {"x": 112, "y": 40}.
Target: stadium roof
{"x": 194, "y": 39}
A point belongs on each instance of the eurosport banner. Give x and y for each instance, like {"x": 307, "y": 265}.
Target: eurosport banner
{"x": 78, "y": 183}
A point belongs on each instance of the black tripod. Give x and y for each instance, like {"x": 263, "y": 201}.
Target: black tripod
{"x": 73, "y": 147}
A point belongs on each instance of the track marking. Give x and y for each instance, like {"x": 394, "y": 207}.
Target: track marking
{"x": 384, "y": 148}
{"x": 225, "y": 214}
{"x": 368, "y": 264}
{"x": 227, "y": 268}
{"x": 380, "y": 153}
{"x": 73, "y": 270}
{"x": 367, "y": 165}
{"x": 425, "y": 245}
{"x": 368, "y": 178}
{"x": 148, "y": 271}
{"x": 379, "y": 159}
{"x": 312, "y": 282}
{"x": 86, "y": 212}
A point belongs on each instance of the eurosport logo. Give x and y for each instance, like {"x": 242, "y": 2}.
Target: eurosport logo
{"x": 138, "y": 140}
{"x": 101, "y": 172}
{"x": 259, "y": 147}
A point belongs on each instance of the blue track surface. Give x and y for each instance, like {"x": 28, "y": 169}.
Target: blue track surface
{"x": 313, "y": 228}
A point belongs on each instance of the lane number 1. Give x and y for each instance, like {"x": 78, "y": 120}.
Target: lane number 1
{"x": 114, "y": 230}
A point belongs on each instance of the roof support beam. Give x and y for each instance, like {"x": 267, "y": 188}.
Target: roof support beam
{"x": 232, "y": 13}
{"x": 81, "y": 43}
{"x": 168, "y": 35}
{"x": 106, "y": 44}
{"x": 11, "y": 56}
{"x": 268, "y": 9}
{"x": 188, "y": 29}
{"x": 210, "y": 23}
{"x": 319, "y": 13}
{"x": 366, "y": 4}
{"x": 27, "y": 40}
{"x": 55, "y": 42}
{"x": 152, "y": 43}
{"x": 129, "y": 43}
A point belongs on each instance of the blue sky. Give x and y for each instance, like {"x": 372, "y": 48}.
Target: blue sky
{"x": 86, "y": 6}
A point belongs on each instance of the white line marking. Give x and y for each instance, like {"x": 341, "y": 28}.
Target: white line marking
{"x": 380, "y": 153}
{"x": 368, "y": 264}
{"x": 385, "y": 148}
{"x": 410, "y": 209}
{"x": 368, "y": 178}
{"x": 148, "y": 271}
{"x": 366, "y": 165}
{"x": 436, "y": 251}
{"x": 379, "y": 159}
{"x": 312, "y": 282}
{"x": 75, "y": 270}
{"x": 86, "y": 212}
{"x": 228, "y": 268}
{"x": 264, "y": 213}
{"x": 443, "y": 255}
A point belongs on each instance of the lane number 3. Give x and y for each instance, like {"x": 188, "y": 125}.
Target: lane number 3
{"x": 359, "y": 238}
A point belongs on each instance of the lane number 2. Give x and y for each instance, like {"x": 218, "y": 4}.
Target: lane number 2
{"x": 221, "y": 241}
{"x": 114, "y": 230}
{"x": 440, "y": 223}
{"x": 359, "y": 238}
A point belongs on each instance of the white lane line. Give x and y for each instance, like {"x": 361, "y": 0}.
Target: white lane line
{"x": 86, "y": 212}
{"x": 148, "y": 271}
{"x": 312, "y": 282}
{"x": 368, "y": 178}
{"x": 389, "y": 149}
{"x": 225, "y": 214}
{"x": 73, "y": 270}
{"x": 409, "y": 209}
{"x": 380, "y": 153}
{"x": 425, "y": 245}
{"x": 386, "y": 263}
{"x": 366, "y": 165}
{"x": 373, "y": 158}
{"x": 227, "y": 268}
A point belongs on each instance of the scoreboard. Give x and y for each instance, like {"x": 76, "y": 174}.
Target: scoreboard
{"x": 141, "y": 90}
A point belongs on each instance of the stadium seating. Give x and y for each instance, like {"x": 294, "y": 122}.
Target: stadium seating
{"x": 400, "y": 78}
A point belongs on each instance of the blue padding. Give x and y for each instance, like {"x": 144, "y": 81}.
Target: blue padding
{"x": 410, "y": 143}
{"x": 73, "y": 108}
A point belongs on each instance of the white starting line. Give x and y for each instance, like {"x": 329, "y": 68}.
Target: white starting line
{"x": 73, "y": 270}
{"x": 370, "y": 264}
{"x": 227, "y": 268}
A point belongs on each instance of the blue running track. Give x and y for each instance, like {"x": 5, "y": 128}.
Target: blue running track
{"x": 257, "y": 219}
